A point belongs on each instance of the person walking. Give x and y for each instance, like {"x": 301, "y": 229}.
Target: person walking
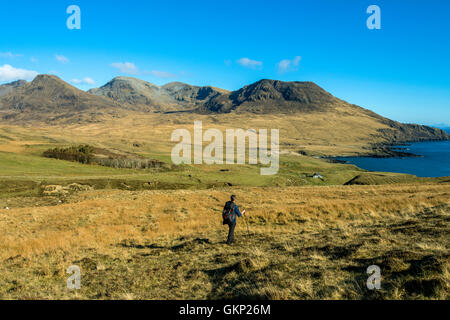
{"x": 230, "y": 213}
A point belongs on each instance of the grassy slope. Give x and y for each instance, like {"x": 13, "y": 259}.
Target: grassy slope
{"x": 153, "y": 133}
{"x": 304, "y": 243}
{"x": 21, "y": 149}
{"x": 23, "y": 174}
{"x": 346, "y": 134}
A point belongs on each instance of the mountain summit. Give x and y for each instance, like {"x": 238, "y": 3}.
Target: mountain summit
{"x": 145, "y": 96}
{"x": 273, "y": 96}
{"x": 10, "y": 87}
{"x": 48, "y": 98}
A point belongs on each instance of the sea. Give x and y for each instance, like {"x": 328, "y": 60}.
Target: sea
{"x": 433, "y": 160}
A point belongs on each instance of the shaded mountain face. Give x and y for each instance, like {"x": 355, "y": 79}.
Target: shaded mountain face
{"x": 271, "y": 96}
{"x": 278, "y": 97}
{"x": 129, "y": 91}
{"x": 191, "y": 95}
{"x": 48, "y": 98}
{"x": 144, "y": 96}
{"x": 10, "y": 87}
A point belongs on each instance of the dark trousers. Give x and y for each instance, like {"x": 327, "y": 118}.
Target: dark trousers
{"x": 231, "y": 227}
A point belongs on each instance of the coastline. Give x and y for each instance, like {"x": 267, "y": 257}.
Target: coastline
{"x": 391, "y": 149}
{"x": 435, "y": 154}
{"x": 387, "y": 150}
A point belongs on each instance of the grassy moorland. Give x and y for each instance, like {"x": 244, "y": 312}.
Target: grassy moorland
{"x": 301, "y": 243}
{"x": 157, "y": 234}
{"x": 346, "y": 134}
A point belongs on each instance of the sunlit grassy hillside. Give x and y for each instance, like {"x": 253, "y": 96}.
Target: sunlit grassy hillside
{"x": 157, "y": 233}
{"x": 295, "y": 243}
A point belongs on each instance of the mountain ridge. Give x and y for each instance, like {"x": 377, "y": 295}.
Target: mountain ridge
{"x": 146, "y": 96}
{"x": 50, "y": 99}
{"x": 9, "y": 87}
{"x": 274, "y": 96}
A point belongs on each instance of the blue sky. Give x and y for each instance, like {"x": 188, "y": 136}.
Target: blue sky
{"x": 401, "y": 71}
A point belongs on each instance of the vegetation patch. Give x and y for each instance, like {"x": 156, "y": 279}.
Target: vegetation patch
{"x": 87, "y": 154}
{"x": 83, "y": 154}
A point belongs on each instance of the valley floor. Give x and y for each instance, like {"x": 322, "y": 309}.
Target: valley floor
{"x": 295, "y": 243}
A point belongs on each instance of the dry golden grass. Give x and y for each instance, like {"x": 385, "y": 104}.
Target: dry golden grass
{"x": 304, "y": 243}
{"x": 301, "y": 242}
{"x": 105, "y": 217}
{"x": 347, "y": 134}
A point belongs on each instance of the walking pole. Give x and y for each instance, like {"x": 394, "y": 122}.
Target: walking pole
{"x": 246, "y": 222}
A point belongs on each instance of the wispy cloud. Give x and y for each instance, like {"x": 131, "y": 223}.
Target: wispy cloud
{"x": 86, "y": 80}
{"x": 287, "y": 65}
{"x": 9, "y": 73}
{"x": 61, "y": 58}
{"x": 10, "y": 55}
{"x": 127, "y": 67}
{"x": 131, "y": 69}
{"x": 249, "y": 63}
{"x": 33, "y": 60}
{"x": 163, "y": 74}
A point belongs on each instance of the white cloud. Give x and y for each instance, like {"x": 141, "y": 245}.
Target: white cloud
{"x": 86, "y": 80}
{"x": 130, "y": 68}
{"x": 127, "y": 67}
{"x": 248, "y": 63}
{"x": 33, "y": 59}
{"x": 61, "y": 59}
{"x": 9, "y": 73}
{"x": 163, "y": 74}
{"x": 287, "y": 65}
{"x": 9, "y": 55}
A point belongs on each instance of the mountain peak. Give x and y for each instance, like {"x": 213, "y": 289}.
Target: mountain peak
{"x": 17, "y": 83}
{"x": 48, "y": 97}
{"x": 46, "y": 77}
{"x": 12, "y": 86}
{"x": 130, "y": 91}
{"x": 50, "y": 81}
{"x": 273, "y": 96}
{"x": 128, "y": 81}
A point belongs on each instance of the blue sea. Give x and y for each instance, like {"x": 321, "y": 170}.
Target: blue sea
{"x": 434, "y": 160}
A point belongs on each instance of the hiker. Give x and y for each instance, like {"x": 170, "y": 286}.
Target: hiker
{"x": 229, "y": 217}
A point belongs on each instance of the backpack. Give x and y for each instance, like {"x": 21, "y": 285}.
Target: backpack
{"x": 228, "y": 213}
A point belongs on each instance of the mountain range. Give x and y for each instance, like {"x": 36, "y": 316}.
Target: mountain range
{"x": 145, "y": 96}
{"x": 50, "y": 100}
